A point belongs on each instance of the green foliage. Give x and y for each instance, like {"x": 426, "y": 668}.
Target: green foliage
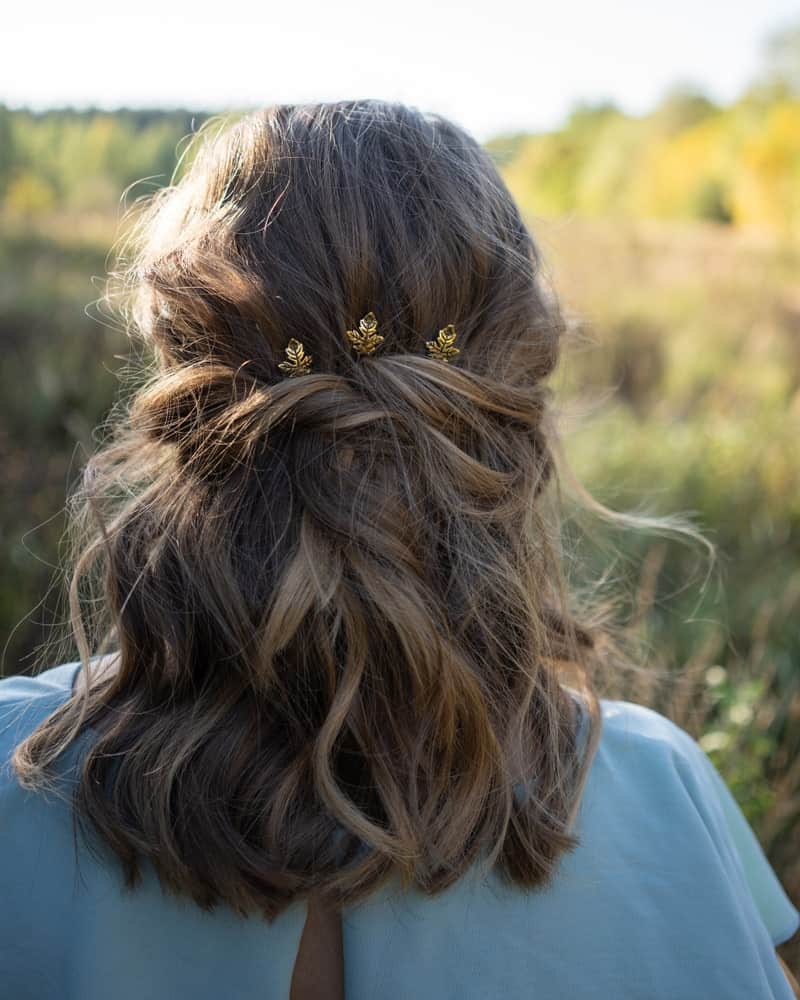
{"x": 710, "y": 200}
{"x": 87, "y": 159}
{"x": 681, "y": 108}
{"x": 688, "y": 159}
{"x": 56, "y": 387}
{"x": 739, "y": 749}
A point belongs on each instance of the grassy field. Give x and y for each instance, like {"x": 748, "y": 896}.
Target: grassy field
{"x": 680, "y": 391}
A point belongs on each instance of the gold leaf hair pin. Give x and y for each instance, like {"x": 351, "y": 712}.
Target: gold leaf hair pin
{"x": 366, "y": 338}
{"x": 443, "y": 347}
{"x": 298, "y": 363}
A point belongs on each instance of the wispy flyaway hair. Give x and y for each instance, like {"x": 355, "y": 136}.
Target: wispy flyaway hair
{"x": 336, "y": 606}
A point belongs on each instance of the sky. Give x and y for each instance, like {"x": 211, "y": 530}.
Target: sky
{"x": 493, "y": 67}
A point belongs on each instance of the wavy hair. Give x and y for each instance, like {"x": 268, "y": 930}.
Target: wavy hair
{"x": 336, "y": 608}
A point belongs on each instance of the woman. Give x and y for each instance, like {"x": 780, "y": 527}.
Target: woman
{"x": 334, "y": 728}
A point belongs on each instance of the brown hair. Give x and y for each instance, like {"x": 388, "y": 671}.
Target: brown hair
{"x": 342, "y": 631}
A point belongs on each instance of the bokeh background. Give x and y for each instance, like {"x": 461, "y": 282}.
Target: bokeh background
{"x": 655, "y": 152}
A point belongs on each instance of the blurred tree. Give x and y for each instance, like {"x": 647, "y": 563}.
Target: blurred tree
{"x": 780, "y": 77}
{"x": 504, "y": 148}
{"x": 6, "y": 147}
{"x": 683, "y": 106}
{"x": 588, "y": 116}
{"x": 29, "y": 196}
{"x": 783, "y": 59}
{"x": 89, "y": 158}
{"x": 686, "y": 173}
{"x": 767, "y": 184}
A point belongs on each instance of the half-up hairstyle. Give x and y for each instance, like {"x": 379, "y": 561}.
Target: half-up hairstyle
{"x": 335, "y": 605}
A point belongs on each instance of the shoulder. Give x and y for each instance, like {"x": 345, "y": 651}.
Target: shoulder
{"x": 662, "y": 764}
{"x": 652, "y": 750}
{"x": 625, "y": 722}
{"x": 20, "y": 687}
{"x": 26, "y": 701}
{"x": 648, "y": 761}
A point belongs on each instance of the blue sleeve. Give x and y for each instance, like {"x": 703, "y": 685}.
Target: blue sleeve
{"x": 25, "y": 701}
{"x": 776, "y": 909}
{"x": 738, "y": 845}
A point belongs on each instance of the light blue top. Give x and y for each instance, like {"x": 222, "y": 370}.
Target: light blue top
{"x": 668, "y": 896}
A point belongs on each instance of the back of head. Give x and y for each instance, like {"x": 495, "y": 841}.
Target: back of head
{"x": 336, "y": 599}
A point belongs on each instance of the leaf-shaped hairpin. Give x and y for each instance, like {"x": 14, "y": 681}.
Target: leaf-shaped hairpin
{"x": 442, "y": 349}
{"x": 298, "y": 361}
{"x": 366, "y": 338}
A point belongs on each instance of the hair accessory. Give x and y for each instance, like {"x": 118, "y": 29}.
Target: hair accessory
{"x": 442, "y": 348}
{"x": 299, "y": 362}
{"x": 366, "y": 338}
